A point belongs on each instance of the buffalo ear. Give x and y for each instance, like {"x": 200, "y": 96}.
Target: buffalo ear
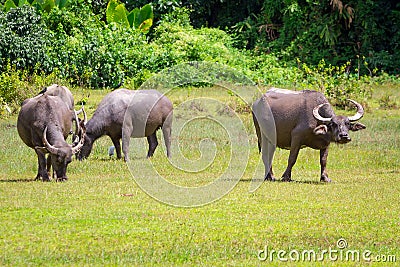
{"x": 357, "y": 126}
{"x": 320, "y": 129}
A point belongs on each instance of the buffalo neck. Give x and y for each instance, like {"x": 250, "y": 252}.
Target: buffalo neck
{"x": 55, "y": 136}
{"x": 94, "y": 129}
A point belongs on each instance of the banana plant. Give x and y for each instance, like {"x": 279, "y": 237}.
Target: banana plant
{"x": 47, "y": 5}
{"x": 138, "y": 18}
{"x": 13, "y": 4}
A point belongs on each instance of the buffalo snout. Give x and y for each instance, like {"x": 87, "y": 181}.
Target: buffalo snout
{"x": 344, "y": 139}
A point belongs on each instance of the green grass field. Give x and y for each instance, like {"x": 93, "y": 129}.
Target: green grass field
{"x": 100, "y": 216}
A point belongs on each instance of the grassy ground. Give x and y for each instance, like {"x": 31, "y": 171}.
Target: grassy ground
{"x": 102, "y": 217}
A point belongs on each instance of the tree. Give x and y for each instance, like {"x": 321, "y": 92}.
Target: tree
{"x": 337, "y": 31}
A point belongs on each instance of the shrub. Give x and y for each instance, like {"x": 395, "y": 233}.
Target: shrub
{"x": 14, "y": 87}
{"x": 90, "y": 53}
{"x": 24, "y": 39}
{"x": 4, "y": 108}
{"x": 336, "y": 82}
{"x": 17, "y": 85}
{"x": 176, "y": 41}
{"x": 387, "y": 102}
{"x": 92, "y": 57}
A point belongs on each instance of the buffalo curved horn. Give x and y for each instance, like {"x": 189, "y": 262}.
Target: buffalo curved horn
{"x": 52, "y": 149}
{"x": 319, "y": 117}
{"x": 84, "y": 114}
{"x": 77, "y": 147}
{"x": 360, "y": 111}
{"x": 76, "y": 122}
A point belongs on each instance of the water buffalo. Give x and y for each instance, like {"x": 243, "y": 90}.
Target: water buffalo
{"x": 303, "y": 119}
{"x": 44, "y": 123}
{"x": 149, "y": 111}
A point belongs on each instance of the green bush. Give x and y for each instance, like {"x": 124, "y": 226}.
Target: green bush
{"x": 17, "y": 85}
{"x": 337, "y": 31}
{"x": 65, "y": 21}
{"x": 176, "y": 41}
{"x": 387, "y": 102}
{"x": 90, "y": 53}
{"x": 336, "y": 82}
{"x": 24, "y": 39}
{"x": 4, "y": 108}
{"x": 96, "y": 55}
{"x": 11, "y": 86}
{"x": 14, "y": 87}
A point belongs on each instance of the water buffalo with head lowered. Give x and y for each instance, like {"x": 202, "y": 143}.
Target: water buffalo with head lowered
{"x": 44, "y": 123}
{"x": 303, "y": 119}
{"x": 149, "y": 111}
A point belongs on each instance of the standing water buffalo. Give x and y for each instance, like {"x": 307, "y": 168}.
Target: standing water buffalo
{"x": 44, "y": 123}
{"x": 303, "y": 119}
{"x": 149, "y": 110}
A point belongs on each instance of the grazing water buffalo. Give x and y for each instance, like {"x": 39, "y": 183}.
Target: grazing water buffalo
{"x": 303, "y": 119}
{"x": 149, "y": 110}
{"x": 44, "y": 123}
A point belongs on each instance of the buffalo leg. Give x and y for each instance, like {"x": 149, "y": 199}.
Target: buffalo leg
{"x": 166, "y": 129}
{"x": 323, "y": 156}
{"x": 267, "y": 152}
{"x": 117, "y": 146}
{"x": 294, "y": 152}
{"x": 270, "y": 175}
{"x": 153, "y": 143}
{"x": 48, "y": 166}
{"x": 126, "y": 135}
{"x": 42, "y": 171}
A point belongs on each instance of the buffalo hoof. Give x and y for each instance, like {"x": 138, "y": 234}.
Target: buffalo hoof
{"x": 325, "y": 179}
{"x": 269, "y": 177}
{"x": 41, "y": 178}
{"x": 286, "y": 179}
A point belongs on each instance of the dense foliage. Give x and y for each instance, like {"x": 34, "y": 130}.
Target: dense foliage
{"x": 329, "y": 46}
{"x": 336, "y": 31}
{"x": 24, "y": 38}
